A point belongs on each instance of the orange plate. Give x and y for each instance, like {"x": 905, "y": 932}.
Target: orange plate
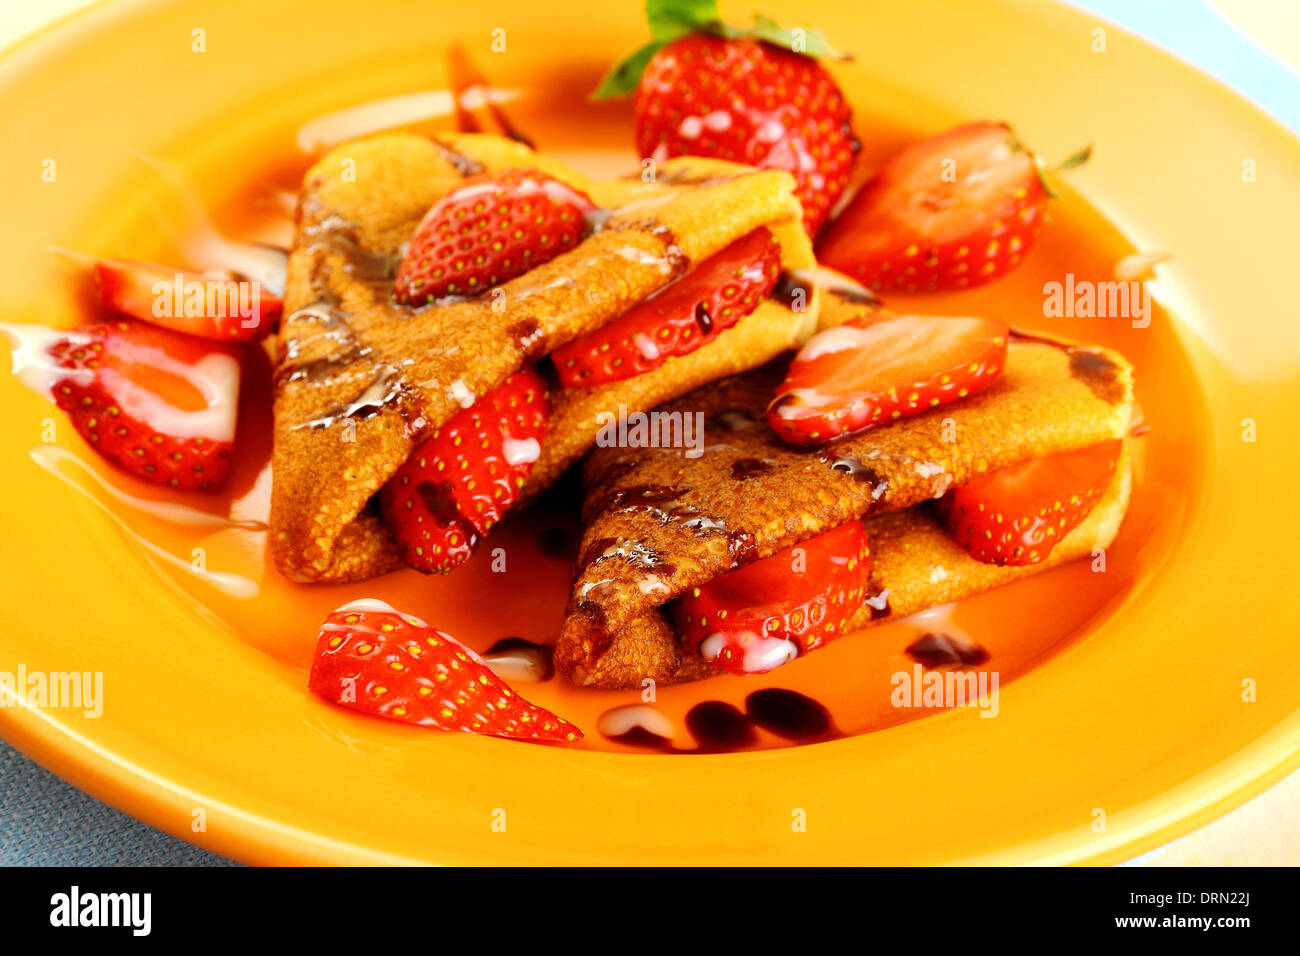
{"x": 1130, "y": 695}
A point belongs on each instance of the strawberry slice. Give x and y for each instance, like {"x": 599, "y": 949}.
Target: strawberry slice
{"x": 160, "y": 404}
{"x": 491, "y": 228}
{"x": 871, "y": 370}
{"x": 212, "y": 305}
{"x": 951, "y": 212}
{"x": 765, "y": 614}
{"x": 1016, "y": 515}
{"x": 459, "y": 482}
{"x": 677, "y": 319}
{"x": 375, "y": 659}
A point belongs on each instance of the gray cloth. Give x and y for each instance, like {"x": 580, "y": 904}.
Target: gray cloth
{"x": 46, "y": 822}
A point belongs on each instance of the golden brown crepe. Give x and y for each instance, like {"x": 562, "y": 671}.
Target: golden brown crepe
{"x": 657, "y": 523}
{"x": 360, "y": 380}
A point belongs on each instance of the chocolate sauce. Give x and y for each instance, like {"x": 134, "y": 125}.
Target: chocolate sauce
{"x": 384, "y": 391}
{"x": 336, "y": 235}
{"x": 789, "y": 714}
{"x": 792, "y": 291}
{"x": 1095, "y": 369}
{"x": 719, "y": 727}
{"x": 539, "y": 658}
{"x": 944, "y": 650}
{"x": 742, "y": 469}
{"x": 464, "y": 165}
{"x": 645, "y": 739}
{"x": 855, "y": 469}
{"x": 878, "y": 602}
{"x": 627, "y": 499}
{"x": 528, "y": 337}
{"x": 441, "y": 503}
{"x": 851, "y": 292}
{"x": 678, "y": 262}
{"x": 634, "y": 553}
{"x": 703, "y": 319}
{"x": 559, "y": 543}
{"x": 736, "y": 419}
{"x": 594, "y": 613}
{"x": 1099, "y": 373}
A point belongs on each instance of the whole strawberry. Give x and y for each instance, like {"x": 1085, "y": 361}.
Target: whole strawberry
{"x": 753, "y": 96}
{"x": 491, "y": 228}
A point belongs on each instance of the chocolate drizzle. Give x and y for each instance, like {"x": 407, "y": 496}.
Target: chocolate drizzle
{"x": 516, "y": 652}
{"x": 858, "y": 471}
{"x": 1098, "y": 372}
{"x": 789, "y": 714}
{"x": 703, "y": 319}
{"x": 464, "y": 165}
{"x": 945, "y": 650}
{"x": 1095, "y": 369}
{"x": 792, "y": 291}
{"x": 742, "y": 469}
{"x": 719, "y": 727}
{"x": 878, "y": 602}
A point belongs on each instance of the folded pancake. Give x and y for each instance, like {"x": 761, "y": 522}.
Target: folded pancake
{"x": 657, "y": 523}
{"x": 361, "y": 380}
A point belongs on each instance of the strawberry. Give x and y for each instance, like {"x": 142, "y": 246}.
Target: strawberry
{"x": 679, "y": 318}
{"x": 491, "y": 228}
{"x": 160, "y": 404}
{"x": 212, "y": 305}
{"x": 1016, "y": 515}
{"x": 705, "y": 89}
{"x": 871, "y": 370}
{"x": 765, "y": 614}
{"x": 459, "y": 482}
{"x": 951, "y": 212}
{"x": 386, "y": 663}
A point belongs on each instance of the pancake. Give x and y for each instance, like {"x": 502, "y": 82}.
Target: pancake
{"x": 361, "y": 380}
{"x": 906, "y": 548}
{"x": 657, "y": 523}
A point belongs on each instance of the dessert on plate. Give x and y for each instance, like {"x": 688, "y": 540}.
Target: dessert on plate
{"x": 691, "y": 568}
{"x": 446, "y": 266}
{"x": 460, "y": 318}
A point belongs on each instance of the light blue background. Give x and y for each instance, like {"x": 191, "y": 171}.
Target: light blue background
{"x": 45, "y": 821}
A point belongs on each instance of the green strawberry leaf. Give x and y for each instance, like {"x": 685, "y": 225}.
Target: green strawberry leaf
{"x": 1077, "y": 159}
{"x": 670, "y": 19}
{"x": 808, "y": 42}
{"x": 673, "y": 19}
{"x": 624, "y": 75}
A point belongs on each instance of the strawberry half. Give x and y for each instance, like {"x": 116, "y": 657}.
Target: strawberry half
{"x": 741, "y": 95}
{"x": 765, "y": 614}
{"x": 160, "y": 404}
{"x": 1016, "y": 515}
{"x": 866, "y": 371}
{"x": 212, "y": 305}
{"x": 459, "y": 482}
{"x": 375, "y": 659}
{"x": 677, "y": 319}
{"x": 951, "y": 212}
{"x": 489, "y": 229}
